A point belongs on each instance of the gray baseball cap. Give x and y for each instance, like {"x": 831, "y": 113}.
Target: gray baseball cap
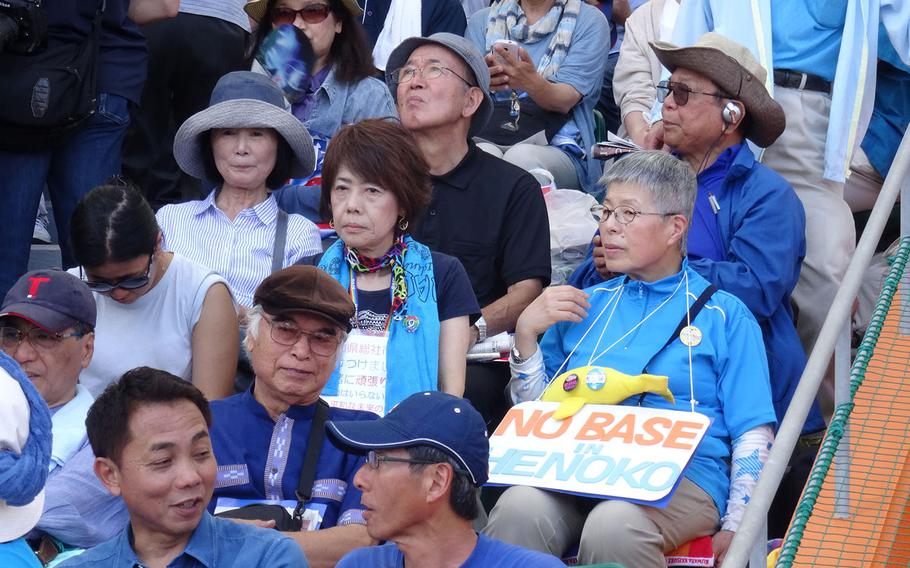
{"x": 463, "y": 49}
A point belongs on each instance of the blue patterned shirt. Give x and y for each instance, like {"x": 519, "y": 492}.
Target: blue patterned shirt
{"x": 260, "y": 458}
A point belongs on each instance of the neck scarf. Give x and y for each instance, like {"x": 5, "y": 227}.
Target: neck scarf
{"x": 22, "y": 476}
{"x": 413, "y": 350}
{"x": 508, "y": 21}
{"x": 393, "y": 258}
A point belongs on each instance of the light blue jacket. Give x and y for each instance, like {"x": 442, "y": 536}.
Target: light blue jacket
{"x": 340, "y": 103}
{"x": 630, "y": 321}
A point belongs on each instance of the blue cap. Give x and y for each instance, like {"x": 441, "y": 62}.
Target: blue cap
{"x": 430, "y": 418}
{"x": 51, "y": 299}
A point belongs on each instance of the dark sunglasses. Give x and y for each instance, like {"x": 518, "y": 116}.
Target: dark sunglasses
{"x": 311, "y": 14}
{"x": 681, "y": 92}
{"x": 131, "y": 283}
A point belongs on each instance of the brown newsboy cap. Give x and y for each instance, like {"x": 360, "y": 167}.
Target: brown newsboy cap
{"x": 305, "y": 289}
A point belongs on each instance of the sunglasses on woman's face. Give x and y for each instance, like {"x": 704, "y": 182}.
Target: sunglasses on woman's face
{"x": 311, "y": 14}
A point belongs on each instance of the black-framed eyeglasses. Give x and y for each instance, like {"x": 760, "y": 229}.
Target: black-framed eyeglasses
{"x": 623, "y": 214}
{"x": 681, "y": 92}
{"x": 11, "y": 337}
{"x": 287, "y": 333}
{"x": 311, "y": 14}
{"x": 374, "y": 459}
{"x": 129, "y": 283}
{"x": 428, "y": 72}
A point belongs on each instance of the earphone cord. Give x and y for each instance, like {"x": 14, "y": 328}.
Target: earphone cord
{"x": 708, "y": 153}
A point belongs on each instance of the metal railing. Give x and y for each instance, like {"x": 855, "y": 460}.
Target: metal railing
{"x": 752, "y": 530}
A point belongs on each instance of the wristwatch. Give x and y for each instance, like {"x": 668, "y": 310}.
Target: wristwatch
{"x": 516, "y": 357}
{"x": 481, "y": 326}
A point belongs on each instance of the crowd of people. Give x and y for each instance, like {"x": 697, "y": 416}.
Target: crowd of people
{"x": 286, "y": 223}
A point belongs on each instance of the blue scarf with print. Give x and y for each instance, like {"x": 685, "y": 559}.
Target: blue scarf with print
{"x": 412, "y": 359}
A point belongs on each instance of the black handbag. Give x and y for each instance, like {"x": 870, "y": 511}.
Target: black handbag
{"x": 503, "y": 128}
{"x": 277, "y": 513}
{"x": 49, "y": 94}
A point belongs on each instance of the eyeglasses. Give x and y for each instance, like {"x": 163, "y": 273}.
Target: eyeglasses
{"x": 430, "y": 72}
{"x": 623, "y": 214}
{"x": 11, "y": 337}
{"x": 320, "y": 342}
{"x": 681, "y": 92}
{"x": 374, "y": 459}
{"x": 311, "y": 14}
{"x": 129, "y": 283}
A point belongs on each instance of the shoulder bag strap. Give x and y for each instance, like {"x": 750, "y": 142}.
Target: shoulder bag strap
{"x": 311, "y": 458}
{"x": 281, "y": 237}
{"x": 686, "y": 319}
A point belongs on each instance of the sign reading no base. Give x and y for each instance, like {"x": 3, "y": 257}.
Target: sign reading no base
{"x": 622, "y": 452}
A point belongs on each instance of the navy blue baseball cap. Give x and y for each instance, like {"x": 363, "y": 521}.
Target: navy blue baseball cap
{"x": 431, "y": 418}
{"x": 51, "y": 299}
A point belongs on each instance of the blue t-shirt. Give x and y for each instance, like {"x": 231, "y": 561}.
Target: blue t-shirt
{"x": 215, "y": 542}
{"x": 488, "y": 553}
{"x": 260, "y": 458}
{"x": 454, "y": 296}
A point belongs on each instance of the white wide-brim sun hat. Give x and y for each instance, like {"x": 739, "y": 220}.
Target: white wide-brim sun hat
{"x": 244, "y": 99}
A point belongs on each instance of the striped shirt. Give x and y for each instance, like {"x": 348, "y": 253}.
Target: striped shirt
{"x": 239, "y": 250}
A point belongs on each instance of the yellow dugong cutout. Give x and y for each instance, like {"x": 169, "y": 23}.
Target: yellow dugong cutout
{"x": 599, "y": 385}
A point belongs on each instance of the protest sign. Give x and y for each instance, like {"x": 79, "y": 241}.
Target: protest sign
{"x": 623, "y": 452}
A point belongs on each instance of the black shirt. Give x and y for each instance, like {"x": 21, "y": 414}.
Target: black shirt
{"x": 490, "y": 215}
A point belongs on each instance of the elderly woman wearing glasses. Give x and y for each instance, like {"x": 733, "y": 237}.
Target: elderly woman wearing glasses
{"x": 663, "y": 318}
{"x": 412, "y": 305}
{"x": 154, "y": 308}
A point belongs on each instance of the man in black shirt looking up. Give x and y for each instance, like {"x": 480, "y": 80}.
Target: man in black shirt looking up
{"x": 484, "y": 211}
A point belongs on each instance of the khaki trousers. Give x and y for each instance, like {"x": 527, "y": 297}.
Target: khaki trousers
{"x": 799, "y": 156}
{"x": 607, "y": 531}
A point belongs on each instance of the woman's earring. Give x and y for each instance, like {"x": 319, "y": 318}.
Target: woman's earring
{"x": 331, "y": 223}
{"x": 403, "y": 225}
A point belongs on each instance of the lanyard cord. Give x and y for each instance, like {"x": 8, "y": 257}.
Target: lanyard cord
{"x": 636, "y": 326}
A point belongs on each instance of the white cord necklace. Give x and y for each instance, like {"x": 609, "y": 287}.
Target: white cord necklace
{"x": 595, "y": 356}
{"x": 614, "y": 300}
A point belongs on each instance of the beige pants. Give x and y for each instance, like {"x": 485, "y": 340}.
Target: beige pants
{"x": 799, "y": 156}
{"x": 607, "y": 531}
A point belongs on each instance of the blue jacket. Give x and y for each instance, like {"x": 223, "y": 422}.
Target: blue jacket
{"x": 627, "y": 328}
{"x": 762, "y": 228}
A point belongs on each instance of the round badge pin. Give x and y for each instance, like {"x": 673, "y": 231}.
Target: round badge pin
{"x": 570, "y": 383}
{"x": 411, "y": 323}
{"x": 596, "y": 379}
{"x": 690, "y": 335}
